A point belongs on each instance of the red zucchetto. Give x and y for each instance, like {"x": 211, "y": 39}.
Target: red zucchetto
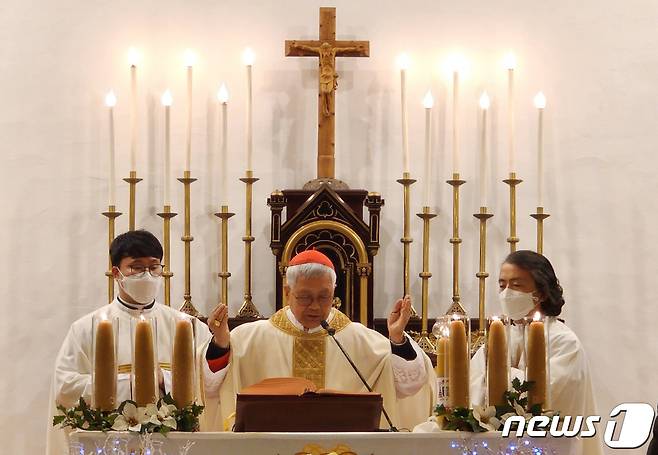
{"x": 311, "y": 257}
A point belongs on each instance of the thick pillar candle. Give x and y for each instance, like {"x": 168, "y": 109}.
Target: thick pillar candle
{"x": 144, "y": 364}
{"x": 458, "y": 358}
{"x": 497, "y": 369}
{"x": 182, "y": 364}
{"x": 536, "y": 363}
{"x": 105, "y": 373}
{"x": 441, "y": 357}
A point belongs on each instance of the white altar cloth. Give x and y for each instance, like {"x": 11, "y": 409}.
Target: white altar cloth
{"x": 403, "y": 443}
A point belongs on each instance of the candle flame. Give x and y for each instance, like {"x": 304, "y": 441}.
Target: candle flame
{"x": 428, "y": 101}
{"x": 457, "y": 63}
{"x": 248, "y": 57}
{"x": 456, "y": 316}
{"x": 485, "y": 101}
{"x": 495, "y": 318}
{"x": 103, "y": 316}
{"x": 167, "y": 98}
{"x": 510, "y": 61}
{"x": 110, "y": 99}
{"x": 537, "y": 316}
{"x": 134, "y": 57}
{"x": 540, "y": 101}
{"x": 222, "y": 94}
{"x": 403, "y": 61}
{"x": 190, "y": 58}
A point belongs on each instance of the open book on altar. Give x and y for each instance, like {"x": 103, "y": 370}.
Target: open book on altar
{"x": 296, "y": 404}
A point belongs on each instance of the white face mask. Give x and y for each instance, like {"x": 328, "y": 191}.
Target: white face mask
{"x": 142, "y": 290}
{"x": 516, "y": 304}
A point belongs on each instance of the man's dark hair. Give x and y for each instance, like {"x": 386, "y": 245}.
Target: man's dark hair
{"x": 135, "y": 244}
{"x": 548, "y": 286}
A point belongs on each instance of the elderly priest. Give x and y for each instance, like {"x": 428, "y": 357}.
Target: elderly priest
{"x": 293, "y": 343}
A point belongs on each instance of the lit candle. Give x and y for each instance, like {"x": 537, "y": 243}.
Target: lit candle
{"x": 510, "y": 64}
{"x": 133, "y": 60}
{"x": 540, "y": 104}
{"x": 190, "y": 61}
{"x": 428, "y": 103}
{"x": 458, "y": 358}
{"x": 248, "y": 59}
{"x": 497, "y": 370}
{"x": 536, "y": 361}
{"x": 222, "y": 97}
{"x": 144, "y": 364}
{"x": 455, "y": 125}
{"x": 182, "y": 364}
{"x": 110, "y": 102}
{"x": 166, "y": 102}
{"x": 403, "y": 63}
{"x": 485, "y": 103}
{"x": 105, "y": 374}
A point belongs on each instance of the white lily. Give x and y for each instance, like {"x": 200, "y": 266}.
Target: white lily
{"x": 486, "y": 417}
{"x": 131, "y": 419}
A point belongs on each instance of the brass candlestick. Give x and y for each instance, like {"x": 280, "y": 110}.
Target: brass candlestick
{"x": 456, "y": 241}
{"x": 424, "y": 342}
{"x": 133, "y": 181}
{"x": 187, "y": 238}
{"x": 224, "y": 215}
{"x": 512, "y": 181}
{"x": 166, "y": 216}
{"x": 540, "y": 216}
{"x": 406, "y": 181}
{"x": 111, "y": 215}
{"x": 482, "y": 274}
{"x": 248, "y": 309}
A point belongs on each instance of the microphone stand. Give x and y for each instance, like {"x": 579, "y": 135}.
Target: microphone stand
{"x": 331, "y": 331}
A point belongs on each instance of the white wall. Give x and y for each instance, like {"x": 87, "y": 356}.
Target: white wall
{"x": 595, "y": 60}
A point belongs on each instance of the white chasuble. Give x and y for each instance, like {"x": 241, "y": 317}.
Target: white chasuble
{"x": 73, "y": 365}
{"x": 279, "y": 348}
{"x": 571, "y": 391}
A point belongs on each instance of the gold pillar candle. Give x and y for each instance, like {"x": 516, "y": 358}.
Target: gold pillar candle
{"x": 441, "y": 357}
{"x": 536, "y": 370}
{"x": 104, "y": 381}
{"x": 182, "y": 364}
{"x": 144, "y": 374}
{"x": 458, "y": 359}
{"x": 497, "y": 363}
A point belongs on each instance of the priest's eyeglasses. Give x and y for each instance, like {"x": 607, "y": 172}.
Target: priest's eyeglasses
{"x": 307, "y": 300}
{"x": 140, "y": 270}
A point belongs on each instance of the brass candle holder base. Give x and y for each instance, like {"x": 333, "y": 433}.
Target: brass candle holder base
{"x": 482, "y": 275}
{"x": 424, "y": 341}
{"x": 456, "y": 306}
{"x": 248, "y": 309}
{"x": 224, "y": 215}
{"x": 133, "y": 181}
{"x": 540, "y": 216}
{"x": 166, "y": 216}
{"x": 406, "y": 181}
{"x": 512, "y": 181}
{"x": 111, "y": 215}
{"x": 187, "y": 238}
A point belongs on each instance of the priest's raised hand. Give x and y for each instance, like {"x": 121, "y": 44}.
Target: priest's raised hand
{"x": 218, "y": 325}
{"x": 398, "y": 319}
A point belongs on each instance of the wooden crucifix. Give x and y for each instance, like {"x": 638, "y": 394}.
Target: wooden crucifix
{"x": 327, "y": 49}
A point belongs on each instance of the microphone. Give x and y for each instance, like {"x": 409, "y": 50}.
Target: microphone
{"x": 331, "y": 332}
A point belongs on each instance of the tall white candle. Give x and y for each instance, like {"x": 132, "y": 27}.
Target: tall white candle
{"x": 455, "y": 121}
{"x": 222, "y": 97}
{"x": 166, "y": 102}
{"x": 110, "y": 102}
{"x": 133, "y": 60}
{"x": 540, "y": 104}
{"x": 510, "y": 64}
{"x": 428, "y": 103}
{"x": 485, "y": 103}
{"x": 403, "y": 63}
{"x": 190, "y": 60}
{"x": 248, "y": 58}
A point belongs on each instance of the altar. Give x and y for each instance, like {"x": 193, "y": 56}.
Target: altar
{"x": 221, "y": 443}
